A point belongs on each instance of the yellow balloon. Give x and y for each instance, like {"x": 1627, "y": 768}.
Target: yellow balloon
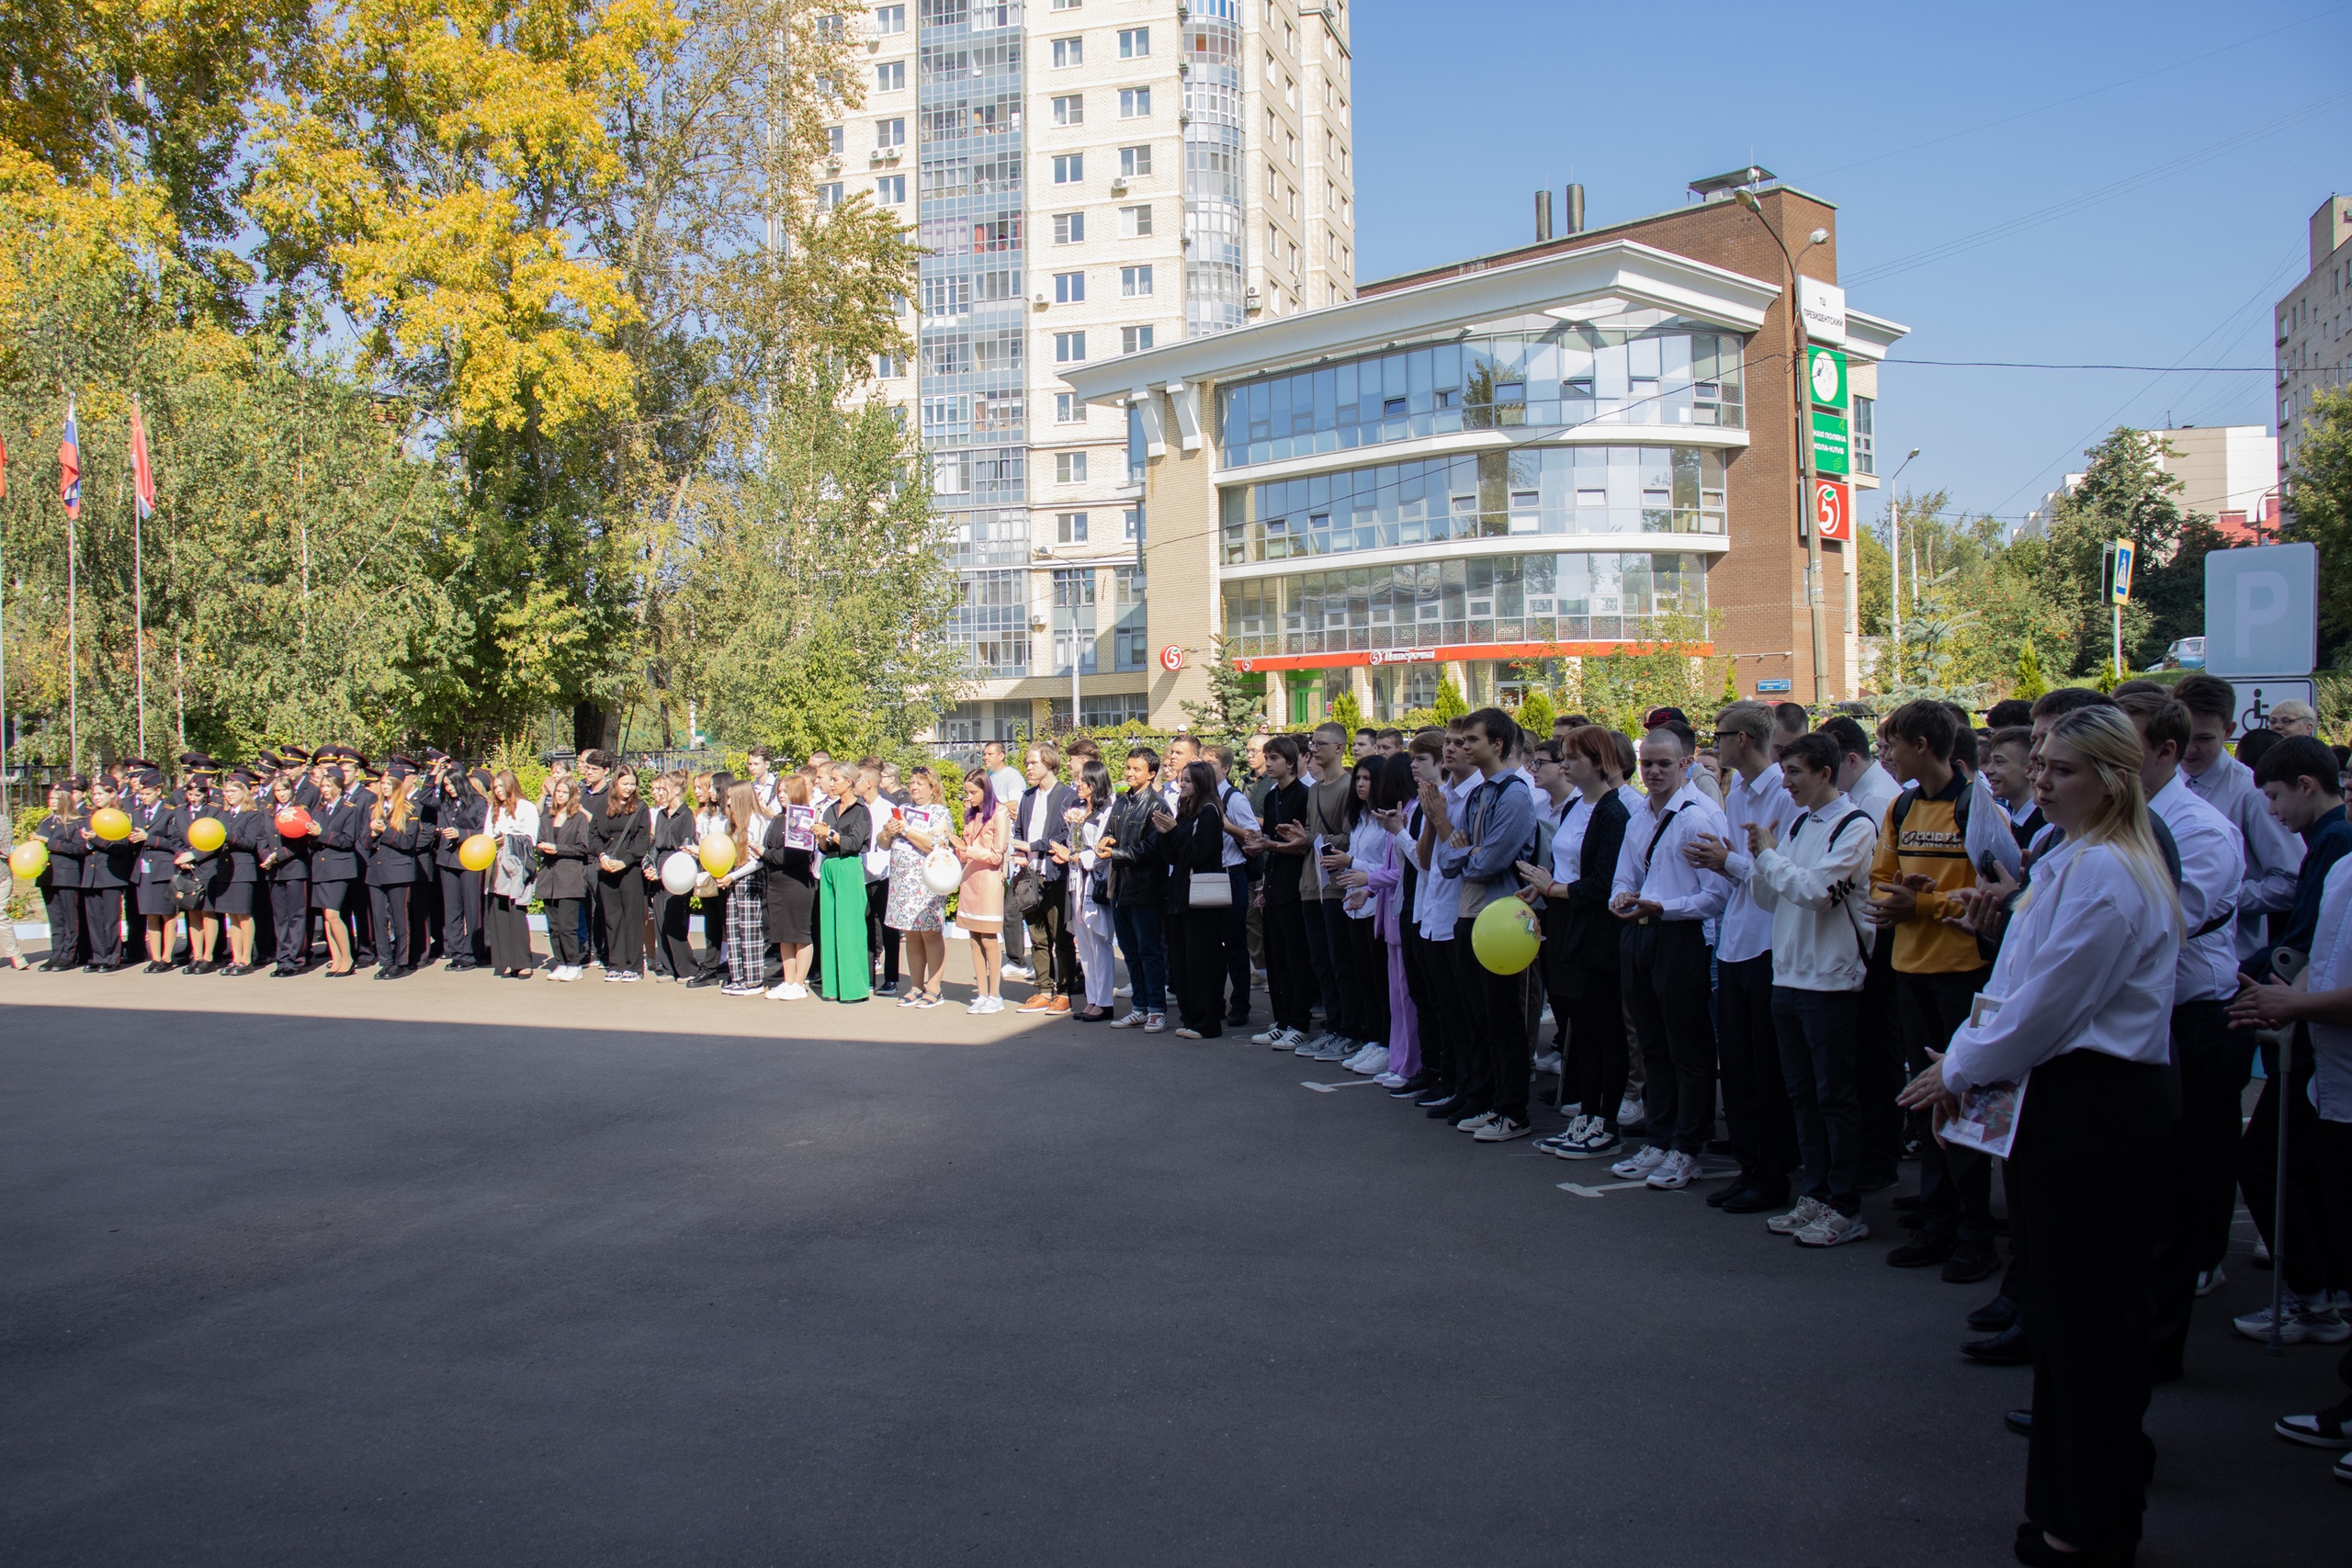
{"x": 206, "y": 834}
{"x": 479, "y": 852}
{"x": 1505, "y": 936}
{"x": 110, "y": 824}
{"x": 718, "y": 854}
{"x": 28, "y": 860}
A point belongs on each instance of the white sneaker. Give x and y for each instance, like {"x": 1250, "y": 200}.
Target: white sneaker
{"x": 1502, "y": 1129}
{"x": 1337, "y": 1048}
{"x": 1549, "y": 1062}
{"x": 1631, "y": 1113}
{"x": 1371, "y": 1061}
{"x": 1807, "y": 1211}
{"x": 1306, "y": 1045}
{"x": 1156, "y": 1024}
{"x": 1266, "y": 1035}
{"x": 1832, "y": 1228}
{"x": 1475, "y": 1123}
{"x": 1123, "y": 990}
{"x": 2212, "y": 1279}
{"x": 2301, "y": 1318}
{"x": 1674, "y": 1172}
{"x": 1013, "y": 971}
{"x": 574, "y": 972}
{"x": 786, "y": 991}
{"x": 1636, "y": 1166}
{"x": 1132, "y": 1020}
{"x": 996, "y": 1004}
{"x": 1390, "y": 1080}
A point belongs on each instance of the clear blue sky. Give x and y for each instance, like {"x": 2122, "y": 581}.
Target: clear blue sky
{"x": 1462, "y": 112}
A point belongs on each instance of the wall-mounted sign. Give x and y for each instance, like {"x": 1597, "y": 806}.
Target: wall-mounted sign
{"x": 1778, "y": 683}
{"x": 1824, "y": 308}
{"x": 1403, "y": 655}
{"x": 1831, "y": 445}
{"x": 1833, "y": 509}
{"x": 1171, "y": 658}
{"x": 1825, "y": 373}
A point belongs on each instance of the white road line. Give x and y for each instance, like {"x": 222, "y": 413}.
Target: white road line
{"x": 1329, "y": 1088}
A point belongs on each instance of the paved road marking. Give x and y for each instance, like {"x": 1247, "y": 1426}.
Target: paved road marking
{"x": 1581, "y": 1190}
{"x": 1329, "y": 1087}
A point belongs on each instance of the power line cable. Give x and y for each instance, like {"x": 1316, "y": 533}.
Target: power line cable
{"x": 2032, "y": 364}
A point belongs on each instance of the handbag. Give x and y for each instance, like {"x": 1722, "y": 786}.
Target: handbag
{"x": 1209, "y": 890}
{"x": 187, "y": 892}
{"x": 1026, "y": 892}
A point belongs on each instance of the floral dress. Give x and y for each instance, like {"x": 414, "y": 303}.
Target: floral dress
{"x": 913, "y": 907}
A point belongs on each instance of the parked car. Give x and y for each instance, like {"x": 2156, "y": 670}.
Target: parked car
{"x": 2189, "y": 653}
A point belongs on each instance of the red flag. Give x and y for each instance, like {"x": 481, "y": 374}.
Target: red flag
{"x": 3, "y": 467}
{"x": 143, "y": 472}
{"x": 69, "y": 464}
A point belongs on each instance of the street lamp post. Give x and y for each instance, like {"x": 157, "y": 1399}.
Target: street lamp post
{"x": 1894, "y": 569}
{"x": 1814, "y": 610}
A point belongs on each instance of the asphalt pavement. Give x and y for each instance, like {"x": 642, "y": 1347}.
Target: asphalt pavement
{"x": 455, "y": 1270}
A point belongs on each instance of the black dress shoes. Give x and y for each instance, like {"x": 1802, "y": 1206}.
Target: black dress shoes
{"x": 2013, "y": 1347}
{"x": 1993, "y": 1315}
{"x": 1754, "y": 1200}
{"x": 1722, "y": 1196}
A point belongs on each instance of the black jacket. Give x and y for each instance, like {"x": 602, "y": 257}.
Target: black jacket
{"x": 1060, "y": 798}
{"x": 334, "y": 843}
{"x": 1196, "y": 843}
{"x": 67, "y": 850}
{"x": 853, "y": 822}
{"x": 392, "y": 853}
{"x": 1138, "y": 870}
{"x": 457, "y": 807}
{"x": 672, "y": 830}
{"x": 277, "y": 857}
{"x": 1590, "y": 929}
{"x": 565, "y": 873}
{"x": 167, "y": 827}
{"x": 624, "y": 839}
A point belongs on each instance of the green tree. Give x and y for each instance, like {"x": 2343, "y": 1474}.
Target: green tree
{"x": 2125, "y": 494}
{"x": 1347, "y": 712}
{"x": 2028, "y": 681}
{"x": 1535, "y": 714}
{"x": 2319, "y": 510}
{"x": 1449, "y": 704}
{"x": 1234, "y": 707}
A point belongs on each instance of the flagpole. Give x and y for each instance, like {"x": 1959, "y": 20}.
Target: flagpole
{"x": 138, "y": 620}
{"x": 73, "y": 661}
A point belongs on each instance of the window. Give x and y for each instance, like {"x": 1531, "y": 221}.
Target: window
{"x": 1865, "y": 453}
{"x": 890, "y": 77}
{"x": 829, "y": 27}
{"x": 1130, "y": 648}
{"x": 1131, "y": 532}
{"x": 941, "y": 412}
{"x": 835, "y": 136}
{"x": 1070, "y": 527}
{"x": 1069, "y": 168}
{"x": 1074, "y": 619}
{"x": 1133, "y": 162}
{"x": 1134, "y": 43}
{"x": 1066, "y": 5}
{"x": 1069, "y": 51}
{"x": 946, "y": 296}
{"x": 829, "y": 197}
{"x": 1068, "y": 349}
{"x": 890, "y": 19}
{"x": 1070, "y": 289}
{"x": 891, "y": 190}
{"x": 889, "y": 133}
{"x": 1066, "y": 409}
{"x": 1134, "y": 221}
{"x": 1070, "y": 110}
{"x": 889, "y": 367}
{"x": 1135, "y": 282}
{"x": 1069, "y": 468}
{"x": 1069, "y": 228}
{"x": 1000, "y": 412}
{"x": 1135, "y": 103}
{"x": 1133, "y": 340}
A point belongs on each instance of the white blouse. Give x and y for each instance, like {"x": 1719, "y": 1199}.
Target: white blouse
{"x": 523, "y": 818}
{"x": 2087, "y": 964}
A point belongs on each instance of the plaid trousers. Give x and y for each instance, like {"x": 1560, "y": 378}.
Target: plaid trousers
{"x": 747, "y": 930}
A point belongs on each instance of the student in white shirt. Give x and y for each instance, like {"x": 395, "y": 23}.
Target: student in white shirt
{"x": 1664, "y": 903}
{"x": 1756, "y": 1101}
{"x": 2273, "y": 855}
{"x": 2081, "y": 998}
{"x": 1811, "y": 878}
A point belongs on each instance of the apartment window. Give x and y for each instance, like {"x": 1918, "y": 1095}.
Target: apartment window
{"x": 1074, "y": 620}
{"x": 1130, "y": 641}
{"x": 1133, "y": 162}
{"x": 1070, "y": 289}
{"x": 890, "y": 19}
{"x": 1069, "y": 168}
{"x": 1070, "y": 527}
{"x": 889, "y": 133}
{"x": 891, "y": 190}
{"x": 834, "y": 136}
{"x": 1133, "y": 340}
{"x": 1069, "y": 468}
{"x": 1135, "y": 103}
{"x": 890, "y": 77}
{"x": 829, "y": 27}
{"x": 943, "y": 412}
{"x": 1135, "y": 222}
{"x": 889, "y": 367}
{"x": 829, "y": 195}
{"x": 1068, "y": 349}
{"x": 1131, "y": 532}
{"x": 1070, "y": 110}
{"x": 1069, "y": 51}
{"x": 946, "y": 296}
{"x": 1066, "y": 409}
{"x": 1069, "y": 228}
{"x": 1865, "y": 453}
{"x": 1066, "y": 5}
{"x": 1134, "y": 43}
{"x": 997, "y": 234}
{"x": 999, "y": 412}
{"x": 1135, "y": 282}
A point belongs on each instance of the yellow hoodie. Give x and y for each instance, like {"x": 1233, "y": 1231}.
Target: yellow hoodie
{"x": 1931, "y": 841}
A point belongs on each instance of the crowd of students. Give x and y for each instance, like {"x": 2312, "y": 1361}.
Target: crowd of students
{"x": 1844, "y": 946}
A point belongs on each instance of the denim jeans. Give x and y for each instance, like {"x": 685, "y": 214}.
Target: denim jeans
{"x": 1137, "y": 926}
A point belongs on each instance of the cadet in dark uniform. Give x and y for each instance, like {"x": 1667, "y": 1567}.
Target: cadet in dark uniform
{"x": 60, "y": 880}
{"x": 156, "y": 827}
{"x": 287, "y": 863}
{"x": 393, "y": 837}
{"x": 357, "y": 789}
{"x": 108, "y": 872}
{"x": 437, "y": 790}
{"x": 230, "y": 899}
{"x": 207, "y": 866}
{"x": 335, "y": 866}
{"x": 454, "y": 810}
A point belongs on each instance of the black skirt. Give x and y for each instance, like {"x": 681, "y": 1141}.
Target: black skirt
{"x": 329, "y": 894}
{"x": 791, "y": 908}
{"x": 230, "y": 899}
{"x": 156, "y": 898}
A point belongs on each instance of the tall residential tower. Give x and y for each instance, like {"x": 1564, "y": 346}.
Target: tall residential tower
{"x": 1091, "y": 178}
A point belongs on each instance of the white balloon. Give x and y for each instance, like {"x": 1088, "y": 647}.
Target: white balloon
{"x": 942, "y": 871}
{"x": 681, "y": 871}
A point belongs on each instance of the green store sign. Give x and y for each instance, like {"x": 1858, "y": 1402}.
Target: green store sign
{"x": 1825, "y": 373}
{"x": 1831, "y": 446}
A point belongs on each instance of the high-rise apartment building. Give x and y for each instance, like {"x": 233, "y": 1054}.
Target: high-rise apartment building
{"x": 1091, "y": 178}
{"x": 2315, "y": 325}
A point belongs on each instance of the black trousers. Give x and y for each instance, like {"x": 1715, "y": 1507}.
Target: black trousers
{"x": 1493, "y": 1069}
{"x": 1290, "y": 972}
{"x": 460, "y": 916}
{"x": 883, "y": 937}
{"x": 1053, "y": 946}
{"x": 1234, "y": 931}
{"x": 427, "y": 916}
{"x": 1756, "y": 1093}
{"x": 621, "y": 903}
{"x": 289, "y": 918}
{"x": 102, "y": 925}
{"x": 673, "y": 944}
{"x": 390, "y": 905}
{"x": 1663, "y": 967}
{"x": 2200, "y": 1155}
{"x": 366, "y": 930}
{"x": 593, "y": 913}
{"x": 1322, "y": 963}
{"x": 714, "y": 934}
{"x": 2309, "y": 1257}
{"x": 65, "y": 908}
{"x": 564, "y": 916}
{"x": 2089, "y": 1146}
{"x": 1196, "y": 966}
{"x": 1878, "y": 1070}
{"x": 1445, "y": 1021}
{"x": 1955, "y": 1184}
{"x": 1596, "y": 1017}
{"x": 1365, "y": 972}
{"x": 1820, "y": 1035}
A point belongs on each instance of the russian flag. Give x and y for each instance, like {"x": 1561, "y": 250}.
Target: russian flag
{"x": 143, "y": 472}
{"x": 69, "y": 464}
